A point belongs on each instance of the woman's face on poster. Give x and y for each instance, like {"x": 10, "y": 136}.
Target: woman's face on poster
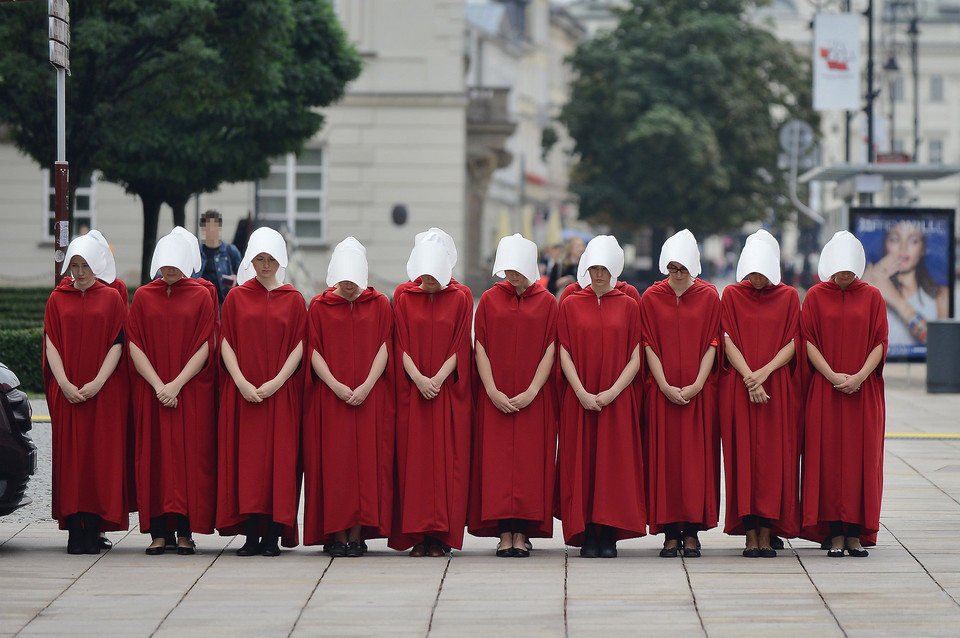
{"x": 905, "y": 243}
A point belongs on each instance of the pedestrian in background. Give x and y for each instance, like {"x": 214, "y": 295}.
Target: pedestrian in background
{"x": 681, "y": 333}
{"x": 515, "y": 441}
{"x": 261, "y": 401}
{"x": 219, "y": 260}
{"x": 83, "y": 346}
{"x": 349, "y": 414}
{"x": 760, "y": 402}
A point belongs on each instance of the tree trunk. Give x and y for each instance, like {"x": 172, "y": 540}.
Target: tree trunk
{"x": 179, "y": 205}
{"x": 151, "y": 217}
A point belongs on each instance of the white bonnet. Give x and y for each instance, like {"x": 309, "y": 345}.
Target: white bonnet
{"x": 263, "y": 240}
{"x": 761, "y": 254}
{"x": 110, "y": 266}
{"x": 681, "y": 248}
{"x": 434, "y": 254}
{"x": 603, "y": 250}
{"x": 517, "y": 253}
{"x": 179, "y": 249}
{"x": 843, "y": 252}
{"x": 348, "y": 263}
{"x": 92, "y": 252}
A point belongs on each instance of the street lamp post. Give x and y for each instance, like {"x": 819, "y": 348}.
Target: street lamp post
{"x": 914, "y": 32}
{"x": 59, "y": 32}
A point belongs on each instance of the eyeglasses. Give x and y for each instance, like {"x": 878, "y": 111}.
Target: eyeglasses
{"x": 675, "y": 269}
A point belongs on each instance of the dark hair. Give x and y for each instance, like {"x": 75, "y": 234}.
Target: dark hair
{"x": 211, "y": 214}
{"x": 925, "y": 280}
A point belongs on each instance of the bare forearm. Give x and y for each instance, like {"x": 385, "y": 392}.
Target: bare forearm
{"x": 544, "y": 370}
{"x": 290, "y": 365}
{"x": 629, "y": 372}
{"x": 819, "y": 363}
{"x": 570, "y": 371}
{"x": 656, "y": 367}
{"x": 873, "y": 360}
{"x": 706, "y": 365}
{"x": 56, "y": 363}
{"x": 194, "y": 365}
{"x": 735, "y": 358}
{"x": 379, "y": 365}
{"x": 143, "y": 367}
{"x": 109, "y": 363}
{"x": 484, "y": 369}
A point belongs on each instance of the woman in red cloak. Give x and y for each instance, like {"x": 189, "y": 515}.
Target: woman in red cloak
{"x": 261, "y": 400}
{"x": 681, "y": 330}
{"x": 760, "y": 400}
{"x": 433, "y": 372}
{"x": 348, "y": 429}
{"x": 83, "y": 336}
{"x": 172, "y": 345}
{"x": 844, "y": 325}
{"x": 600, "y": 452}
{"x": 515, "y": 443}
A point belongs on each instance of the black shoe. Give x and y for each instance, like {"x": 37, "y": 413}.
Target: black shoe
{"x": 768, "y": 552}
{"x": 521, "y": 553}
{"x": 91, "y": 534}
{"x": 690, "y": 552}
{"x": 835, "y": 553}
{"x": 75, "y": 531}
{"x": 776, "y": 542}
{"x": 857, "y": 553}
{"x": 528, "y": 544}
{"x": 826, "y": 543}
{"x": 354, "y": 550}
{"x": 506, "y": 552}
{"x": 105, "y": 543}
{"x": 591, "y": 545}
{"x": 155, "y": 551}
{"x": 751, "y": 552}
{"x": 609, "y": 550}
{"x": 669, "y": 552}
{"x": 170, "y": 541}
{"x": 250, "y": 548}
{"x": 187, "y": 550}
{"x": 338, "y": 549}
{"x": 271, "y": 547}
{"x": 363, "y": 546}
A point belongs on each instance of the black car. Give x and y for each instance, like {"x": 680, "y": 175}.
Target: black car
{"x": 18, "y": 454}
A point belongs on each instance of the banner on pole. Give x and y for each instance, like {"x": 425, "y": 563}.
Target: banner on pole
{"x": 836, "y": 61}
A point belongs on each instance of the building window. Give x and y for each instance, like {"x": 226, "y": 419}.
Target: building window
{"x": 898, "y": 146}
{"x": 896, "y": 89}
{"x": 293, "y": 197}
{"x": 936, "y": 88}
{"x": 935, "y": 151}
{"x": 83, "y": 205}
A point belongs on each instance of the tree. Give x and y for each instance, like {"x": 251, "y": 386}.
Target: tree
{"x": 170, "y": 99}
{"x": 675, "y": 114}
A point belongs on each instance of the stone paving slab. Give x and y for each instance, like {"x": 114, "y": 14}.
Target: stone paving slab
{"x": 910, "y": 585}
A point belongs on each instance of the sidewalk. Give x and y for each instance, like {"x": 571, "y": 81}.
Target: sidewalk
{"x": 910, "y": 584}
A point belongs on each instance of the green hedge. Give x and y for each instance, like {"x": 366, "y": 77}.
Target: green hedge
{"x": 22, "y": 308}
{"x": 22, "y": 351}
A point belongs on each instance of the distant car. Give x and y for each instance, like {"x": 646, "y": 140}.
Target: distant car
{"x": 18, "y": 454}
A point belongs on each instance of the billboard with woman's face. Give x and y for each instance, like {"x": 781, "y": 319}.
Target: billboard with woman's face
{"x": 910, "y": 259}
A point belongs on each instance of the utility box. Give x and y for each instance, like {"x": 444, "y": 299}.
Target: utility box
{"x": 943, "y": 356}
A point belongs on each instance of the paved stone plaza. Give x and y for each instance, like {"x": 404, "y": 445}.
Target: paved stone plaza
{"x": 910, "y": 584}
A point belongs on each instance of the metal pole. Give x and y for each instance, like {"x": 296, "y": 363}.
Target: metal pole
{"x": 914, "y": 32}
{"x": 870, "y": 96}
{"x": 61, "y": 183}
{"x": 847, "y": 115}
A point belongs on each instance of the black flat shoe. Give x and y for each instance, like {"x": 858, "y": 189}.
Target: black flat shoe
{"x": 608, "y": 551}
{"x": 776, "y": 542}
{"x": 589, "y": 551}
{"x": 187, "y": 550}
{"x": 170, "y": 541}
{"x": 858, "y": 553}
{"x": 105, "y": 543}
{"x": 338, "y": 550}
{"x": 354, "y": 550}
{"x": 691, "y": 552}
{"x": 272, "y": 550}
{"x": 751, "y": 552}
{"x": 835, "y": 553}
{"x": 505, "y": 552}
{"x": 521, "y": 553}
{"x": 768, "y": 552}
{"x": 669, "y": 552}
{"x": 155, "y": 551}
{"x": 249, "y": 549}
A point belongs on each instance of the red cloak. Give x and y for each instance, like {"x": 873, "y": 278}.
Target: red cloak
{"x": 514, "y": 455}
{"x": 622, "y": 286}
{"x": 89, "y": 438}
{"x": 682, "y": 442}
{"x": 348, "y": 450}
{"x": 176, "y": 459}
{"x": 600, "y": 456}
{"x": 761, "y": 442}
{"x": 843, "y": 433}
{"x": 259, "y": 469}
{"x": 433, "y": 437}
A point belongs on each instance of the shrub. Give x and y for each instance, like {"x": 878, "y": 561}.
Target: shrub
{"x": 22, "y": 351}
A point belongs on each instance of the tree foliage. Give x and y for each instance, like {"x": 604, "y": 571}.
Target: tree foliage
{"x": 675, "y": 115}
{"x": 170, "y": 99}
